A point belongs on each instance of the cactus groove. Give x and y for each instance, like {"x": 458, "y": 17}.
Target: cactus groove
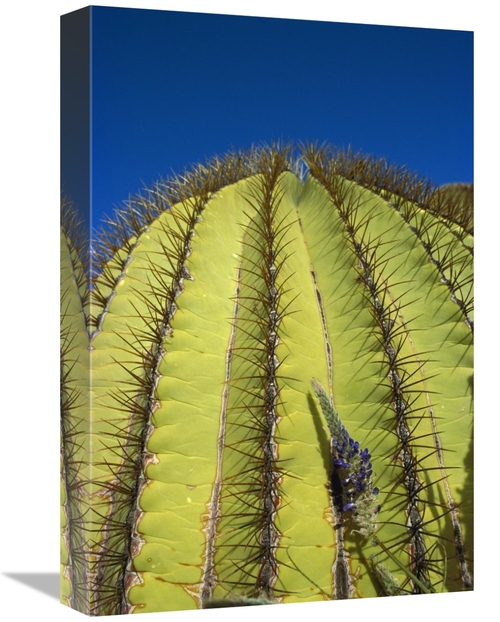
{"x": 198, "y": 467}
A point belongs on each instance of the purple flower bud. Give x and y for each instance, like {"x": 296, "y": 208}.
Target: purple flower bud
{"x": 364, "y": 455}
{"x": 341, "y": 464}
{"x": 348, "y": 507}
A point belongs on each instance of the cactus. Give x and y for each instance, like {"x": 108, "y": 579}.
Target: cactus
{"x": 200, "y": 466}
{"x": 75, "y": 462}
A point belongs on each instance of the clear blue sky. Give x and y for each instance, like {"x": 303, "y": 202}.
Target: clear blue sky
{"x": 170, "y": 89}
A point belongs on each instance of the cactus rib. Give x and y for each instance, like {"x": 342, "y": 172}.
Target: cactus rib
{"x": 209, "y": 575}
{"x": 73, "y": 390}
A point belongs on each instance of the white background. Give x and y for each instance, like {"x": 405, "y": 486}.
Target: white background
{"x": 29, "y": 265}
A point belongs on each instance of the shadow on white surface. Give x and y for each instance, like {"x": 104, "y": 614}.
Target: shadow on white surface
{"x": 46, "y": 582}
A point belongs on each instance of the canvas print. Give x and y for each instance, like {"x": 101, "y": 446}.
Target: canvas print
{"x": 266, "y": 311}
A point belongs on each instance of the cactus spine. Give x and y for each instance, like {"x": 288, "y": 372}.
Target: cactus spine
{"x": 196, "y": 463}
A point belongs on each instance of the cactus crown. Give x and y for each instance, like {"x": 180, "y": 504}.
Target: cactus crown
{"x": 197, "y": 469}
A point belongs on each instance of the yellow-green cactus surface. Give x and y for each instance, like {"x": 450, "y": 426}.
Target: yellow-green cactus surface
{"x": 200, "y": 466}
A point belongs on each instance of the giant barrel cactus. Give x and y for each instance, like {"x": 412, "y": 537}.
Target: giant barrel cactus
{"x": 266, "y": 388}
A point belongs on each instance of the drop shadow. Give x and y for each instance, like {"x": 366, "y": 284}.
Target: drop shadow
{"x": 45, "y": 582}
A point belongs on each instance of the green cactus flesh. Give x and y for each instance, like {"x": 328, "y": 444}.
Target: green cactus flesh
{"x": 198, "y": 468}
{"x": 75, "y": 462}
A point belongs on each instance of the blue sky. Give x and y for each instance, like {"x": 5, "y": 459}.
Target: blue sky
{"x": 170, "y": 89}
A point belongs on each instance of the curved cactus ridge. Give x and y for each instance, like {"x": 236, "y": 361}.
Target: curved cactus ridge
{"x": 200, "y": 466}
{"x": 75, "y": 463}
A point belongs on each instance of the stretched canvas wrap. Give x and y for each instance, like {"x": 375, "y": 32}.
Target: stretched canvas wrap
{"x": 266, "y": 363}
